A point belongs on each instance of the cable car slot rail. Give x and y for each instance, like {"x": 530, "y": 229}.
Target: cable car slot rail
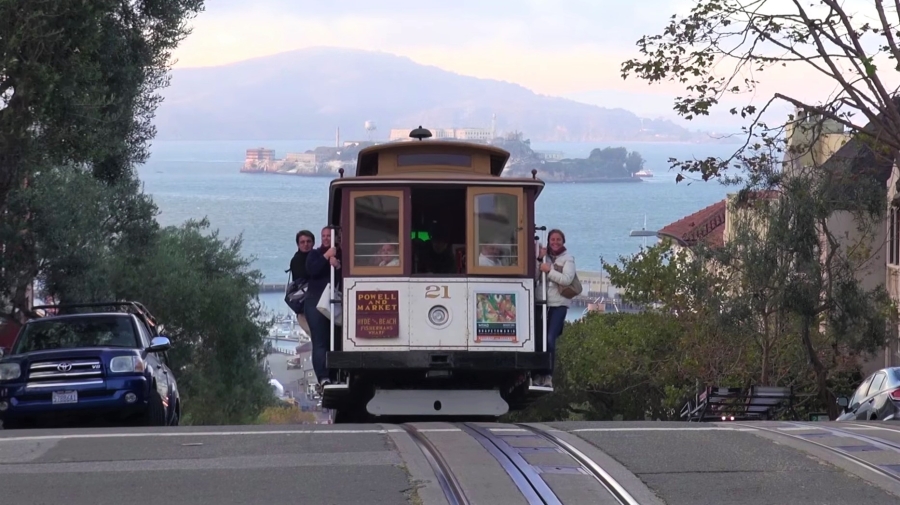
{"x": 527, "y": 477}
{"x": 446, "y": 479}
{"x": 822, "y": 431}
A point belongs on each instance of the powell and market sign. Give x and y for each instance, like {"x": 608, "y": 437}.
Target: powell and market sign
{"x": 377, "y": 314}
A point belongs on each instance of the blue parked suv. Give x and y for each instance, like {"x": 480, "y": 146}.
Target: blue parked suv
{"x": 86, "y": 365}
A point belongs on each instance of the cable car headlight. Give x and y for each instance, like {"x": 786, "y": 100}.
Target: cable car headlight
{"x": 438, "y": 315}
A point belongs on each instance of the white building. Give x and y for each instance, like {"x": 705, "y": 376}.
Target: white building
{"x": 446, "y": 133}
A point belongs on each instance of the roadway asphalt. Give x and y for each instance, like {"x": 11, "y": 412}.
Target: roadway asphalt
{"x": 671, "y": 463}
{"x": 290, "y": 379}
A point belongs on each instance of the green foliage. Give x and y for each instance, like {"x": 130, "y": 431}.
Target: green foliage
{"x": 98, "y": 241}
{"x": 617, "y": 367}
{"x": 606, "y": 162}
{"x": 676, "y": 278}
{"x": 788, "y": 300}
{"x": 78, "y": 83}
{"x": 78, "y": 88}
{"x": 286, "y": 414}
{"x": 799, "y": 290}
{"x": 78, "y": 80}
{"x": 628, "y": 363}
{"x": 204, "y": 292}
{"x": 78, "y": 227}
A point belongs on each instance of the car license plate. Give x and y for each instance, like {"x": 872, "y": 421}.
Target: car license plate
{"x": 65, "y": 397}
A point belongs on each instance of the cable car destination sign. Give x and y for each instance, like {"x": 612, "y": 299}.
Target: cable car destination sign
{"x": 377, "y": 314}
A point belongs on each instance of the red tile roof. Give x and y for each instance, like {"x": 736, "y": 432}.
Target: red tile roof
{"x": 706, "y": 225}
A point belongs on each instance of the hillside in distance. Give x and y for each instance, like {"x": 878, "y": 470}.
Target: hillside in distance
{"x": 308, "y": 93}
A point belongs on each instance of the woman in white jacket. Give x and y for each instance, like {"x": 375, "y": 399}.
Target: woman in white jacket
{"x": 560, "y": 269}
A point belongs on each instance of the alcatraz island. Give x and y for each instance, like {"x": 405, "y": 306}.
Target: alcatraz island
{"x": 611, "y": 164}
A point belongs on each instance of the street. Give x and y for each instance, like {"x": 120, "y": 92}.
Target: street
{"x": 672, "y": 463}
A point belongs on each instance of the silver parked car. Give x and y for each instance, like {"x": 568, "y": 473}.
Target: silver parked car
{"x": 877, "y": 398}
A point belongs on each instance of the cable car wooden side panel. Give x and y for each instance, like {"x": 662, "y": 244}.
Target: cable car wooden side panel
{"x": 440, "y": 309}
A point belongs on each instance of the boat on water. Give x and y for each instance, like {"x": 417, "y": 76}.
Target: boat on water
{"x": 286, "y": 328}
{"x": 643, "y": 173}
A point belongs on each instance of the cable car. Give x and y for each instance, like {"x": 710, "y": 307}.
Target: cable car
{"x": 438, "y": 312}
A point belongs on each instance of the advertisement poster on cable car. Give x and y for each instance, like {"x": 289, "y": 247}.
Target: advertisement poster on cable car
{"x": 377, "y": 314}
{"x": 495, "y": 317}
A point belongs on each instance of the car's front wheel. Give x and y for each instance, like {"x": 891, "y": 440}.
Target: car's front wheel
{"x": 155, "y": 415}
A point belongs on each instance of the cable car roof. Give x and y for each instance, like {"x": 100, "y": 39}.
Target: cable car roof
{"x": 368, "y": 160}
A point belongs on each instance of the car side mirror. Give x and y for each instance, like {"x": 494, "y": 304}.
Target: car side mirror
{"x": 159, "y": 344}
{"x": 843, "y": 401}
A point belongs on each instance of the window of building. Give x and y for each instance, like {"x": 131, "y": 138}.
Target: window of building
{"x": 496, "y": 231}
{"x": 376, "y": 222}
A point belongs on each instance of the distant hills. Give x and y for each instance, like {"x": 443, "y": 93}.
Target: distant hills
{"x": 307, "y": 94}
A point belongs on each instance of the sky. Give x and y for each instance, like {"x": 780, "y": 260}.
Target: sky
{"x": 567, "y": 48}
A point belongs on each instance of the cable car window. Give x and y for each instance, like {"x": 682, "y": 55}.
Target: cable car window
{"x": 453, "y": 160}
{"x": 496, "y": 230}
{"x": 376, "y": 232}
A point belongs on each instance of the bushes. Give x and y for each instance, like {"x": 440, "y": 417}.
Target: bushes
{"x": 285, "y": 414}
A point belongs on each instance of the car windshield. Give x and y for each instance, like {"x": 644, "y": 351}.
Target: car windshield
{"x": 99, "y": 331}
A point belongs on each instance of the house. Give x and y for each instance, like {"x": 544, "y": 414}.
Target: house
{"x": 892, "y": 253}
{"x": 857, "y": 174}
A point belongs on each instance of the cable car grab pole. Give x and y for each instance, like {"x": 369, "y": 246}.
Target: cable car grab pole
{"x": 544, "y": 289}
{"x": 544, "y": 308}
{"x": 331, "y": 294}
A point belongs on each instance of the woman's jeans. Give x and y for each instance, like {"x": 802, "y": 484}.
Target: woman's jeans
{"x": 556, "y": 321}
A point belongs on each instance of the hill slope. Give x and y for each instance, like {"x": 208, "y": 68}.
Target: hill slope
{"x": 306, "y": 94}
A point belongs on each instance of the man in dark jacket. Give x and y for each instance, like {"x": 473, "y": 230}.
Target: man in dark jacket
{"x": 318, "y": 269}
{"x": 305, "y": 242}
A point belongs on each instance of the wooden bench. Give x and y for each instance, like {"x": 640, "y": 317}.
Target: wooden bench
{"x": 715, "y": 403}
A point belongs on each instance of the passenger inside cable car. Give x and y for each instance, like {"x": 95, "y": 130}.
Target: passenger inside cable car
{"x": 388, "y": 255}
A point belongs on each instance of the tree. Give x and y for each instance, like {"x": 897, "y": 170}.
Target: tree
{"x": 685, "y": 285}
{"x": 788, "y": 299}
{"x": 205, "y": 293}
{"x": 722, "y": 47}
{"x": 630, "y": 366}
{"x": 615, "y": 366}
{"x": 98, "y": 241}
{"x": 839, "y": 317}
{"x": 78, "y": 84}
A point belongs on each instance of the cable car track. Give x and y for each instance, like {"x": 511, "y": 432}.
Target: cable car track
{"x": 525, "y": 476}
{"x": 606, "y": 480}
{"x": 835, "y": 450}
{"x": 446, "y": 479}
